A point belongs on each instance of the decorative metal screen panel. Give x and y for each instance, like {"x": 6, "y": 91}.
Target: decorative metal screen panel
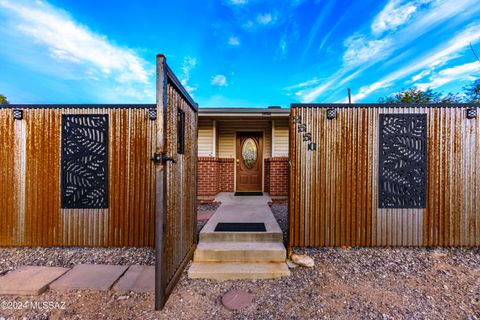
{"x": 84, "y": 161}
{"x": 403, "y": 160}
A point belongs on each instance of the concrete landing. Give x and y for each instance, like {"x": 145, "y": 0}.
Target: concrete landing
{"x": 137, "y": 278}
{"x": 240, "y": 255}
{"x": 29, "y": 280}
{"x": 242, "y": 209}
{"x": 89, "y": 276}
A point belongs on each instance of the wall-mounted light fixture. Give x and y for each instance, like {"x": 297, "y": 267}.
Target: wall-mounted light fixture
{"x": 17, "y": 114}
{"x": 152, "y": 114}
{"x": 331, "y": 113}
{"x": 471, "y": 113}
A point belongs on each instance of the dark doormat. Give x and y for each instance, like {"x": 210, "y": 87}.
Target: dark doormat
{"x": 240, "y": 227}
{"x": 248, "y": 193}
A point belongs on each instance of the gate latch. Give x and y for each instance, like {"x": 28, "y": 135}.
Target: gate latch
{"x": 160, "y": 158}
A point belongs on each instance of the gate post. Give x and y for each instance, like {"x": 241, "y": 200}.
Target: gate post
{"x": 160, "y": 203}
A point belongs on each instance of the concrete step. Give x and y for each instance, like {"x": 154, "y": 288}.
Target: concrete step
{"x": 238, "y": 270}
{"x": 240, "y": 251}
{"x": 273, "y": 236}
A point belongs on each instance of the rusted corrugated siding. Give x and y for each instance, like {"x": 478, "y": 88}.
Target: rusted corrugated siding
{"x": 181, "y": 184}
{"x": 129, "y": 219}
{"x": 334, "y": 190}
{"x": 8, "y": 199}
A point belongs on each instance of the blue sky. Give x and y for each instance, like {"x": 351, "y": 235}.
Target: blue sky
{"x": 235, "y": 53}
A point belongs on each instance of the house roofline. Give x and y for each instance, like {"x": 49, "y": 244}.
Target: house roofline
{"x": 244, "y": 112}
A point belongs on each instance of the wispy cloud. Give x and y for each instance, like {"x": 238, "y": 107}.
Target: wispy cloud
{"x": 234, "y": 41}
{"x": 465, "y": 71}
{"x": 397, "y": 26}
{"x": 219, "y": 80}
{"x": 70, "y": 42}
{"x": 188, "y": 64}
{"x": 238, "y": 2}
{"x": 428, "y": 62}
{"x": 265, "y": 18}
{"x": 361, "y": 49}
{"x": 393, "y": 15}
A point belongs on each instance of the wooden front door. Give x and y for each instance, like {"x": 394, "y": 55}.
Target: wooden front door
{"x": 249, "y": 161}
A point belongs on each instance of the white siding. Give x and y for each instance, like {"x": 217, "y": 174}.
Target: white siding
{"x": 280, "y": 148}
{"x": 205, "y": 138}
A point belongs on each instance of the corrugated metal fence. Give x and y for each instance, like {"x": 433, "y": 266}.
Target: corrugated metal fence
{"x": 334, "y": 185}
{"x": 30, "y": 186}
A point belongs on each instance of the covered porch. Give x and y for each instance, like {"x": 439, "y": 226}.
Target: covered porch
{"x": 243, "y": 150}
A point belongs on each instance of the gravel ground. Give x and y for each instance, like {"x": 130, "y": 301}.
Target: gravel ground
{"x": 356, "y": 283}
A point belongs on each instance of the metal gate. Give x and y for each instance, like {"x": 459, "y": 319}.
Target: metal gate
{"x": 384, "y": 175}
{"x": 176, "y": 181}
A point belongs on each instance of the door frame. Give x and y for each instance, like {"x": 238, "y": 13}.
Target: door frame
{"x": 262, "y": 132}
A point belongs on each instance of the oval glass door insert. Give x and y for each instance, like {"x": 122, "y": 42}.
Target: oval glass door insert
{"x": 249, "y": 153}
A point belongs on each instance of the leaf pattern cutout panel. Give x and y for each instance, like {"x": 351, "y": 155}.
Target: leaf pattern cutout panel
{"x": 403, "y": 160}
{"x": 84, "y": 161}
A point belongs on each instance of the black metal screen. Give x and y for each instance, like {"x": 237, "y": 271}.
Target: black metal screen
{"x": 403, "y": 160}
{"x": 84, "y": 161}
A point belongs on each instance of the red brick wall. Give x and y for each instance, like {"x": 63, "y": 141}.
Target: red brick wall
{"x": 226, "y": 174}
{"x": 217, "y": 175}
{"x": 266, "y": 176}
{"x": 278, "y": 177}
{"x": 207, "y": 177}
{"x": 214, "y": 175}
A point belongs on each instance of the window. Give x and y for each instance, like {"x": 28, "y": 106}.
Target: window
{"x": 180, "y": 132}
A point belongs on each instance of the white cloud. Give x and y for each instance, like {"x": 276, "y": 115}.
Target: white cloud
{"x": 365, "y": 50}
{"x": 421, "y": 75}
{"x": 265, "y": 18}
{"x": 219, "y": 80}
{"x": 304, "y": 84}
{"x": 430, "y": 60}
{"x": 70, "y": 42}
{"x": 284, "y": 47}
{"x": 393, "y": 15}
{"x": 361, "y": 49}
{"x": 457, "y": 73}
{"x": 234, "y": 41}
{"x": 248, "y": 25}
{"x": 188, "y": 64}
{"x": 238, "y": 2}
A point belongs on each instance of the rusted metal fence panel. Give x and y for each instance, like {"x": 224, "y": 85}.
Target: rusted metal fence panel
{"x": 334, "y": 189}
{"x": 9, "y": 201}
{"x": 31, "y": 173}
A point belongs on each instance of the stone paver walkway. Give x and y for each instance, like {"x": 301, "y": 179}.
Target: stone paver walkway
{"x": 89, "y": 276}
{"x": 29, "y": 280}
{"x": 138, "y": 279}
{"x": 33, "y": 280}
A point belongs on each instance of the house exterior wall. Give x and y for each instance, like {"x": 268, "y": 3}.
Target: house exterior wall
{"x": 206, "y": 138}
{"x": 278, "y": 177}
{"x": 216, "y": 163}
{"x": 280, "y": 138}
